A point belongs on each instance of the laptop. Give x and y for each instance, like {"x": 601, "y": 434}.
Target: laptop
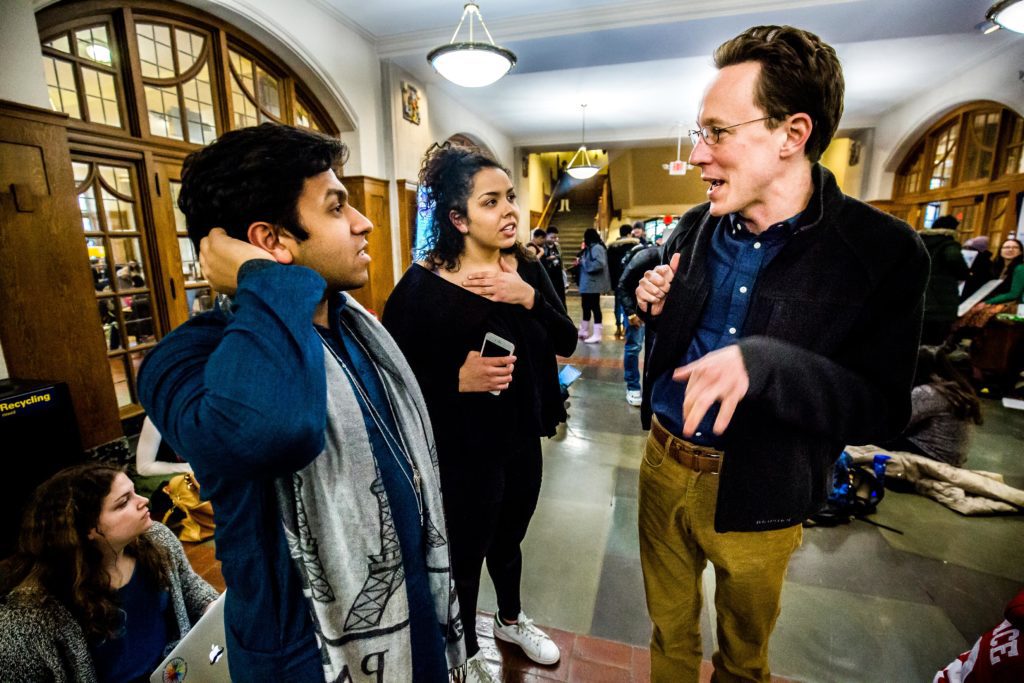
{"x": 201, "y": 656}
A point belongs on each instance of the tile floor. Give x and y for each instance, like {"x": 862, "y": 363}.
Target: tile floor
{"x": 861, "y": 603}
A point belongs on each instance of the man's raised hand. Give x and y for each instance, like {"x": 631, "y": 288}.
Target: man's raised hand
{"x": 653, "y": 287}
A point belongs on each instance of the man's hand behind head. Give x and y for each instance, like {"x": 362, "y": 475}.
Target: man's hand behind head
{"x": 221, "y": 256}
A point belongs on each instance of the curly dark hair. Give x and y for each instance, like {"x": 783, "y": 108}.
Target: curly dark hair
{"x": 254, "y": 174}
{"x": 55, "y": 552}
{"x": 935, "y": 368}
{"x": 800, "y": 73}
{"x": 446, "y": 176}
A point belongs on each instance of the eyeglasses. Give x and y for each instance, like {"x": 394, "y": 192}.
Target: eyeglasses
{"x": 711, "y": 134}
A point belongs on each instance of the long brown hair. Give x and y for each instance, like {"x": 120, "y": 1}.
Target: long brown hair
{"x": 1009, "y": 265}
{"x": 56, "y": 554}
{"x": 935, "y": 368}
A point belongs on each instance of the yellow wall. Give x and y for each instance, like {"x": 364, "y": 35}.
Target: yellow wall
{"x": 641, "y": 188}
{"x": 837, "y": 159}
{"x": 544, "y": 168}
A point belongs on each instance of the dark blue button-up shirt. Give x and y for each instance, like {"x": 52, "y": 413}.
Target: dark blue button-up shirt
{"x": 735, "y": 259}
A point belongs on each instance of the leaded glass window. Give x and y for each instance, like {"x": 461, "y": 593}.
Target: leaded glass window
{"x": 81, "y": 77}
{"x": 175, "y": 66}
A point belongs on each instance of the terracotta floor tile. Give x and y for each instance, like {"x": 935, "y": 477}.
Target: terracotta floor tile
{"x": 523, "y": 677}
{"x": 605, "y": 652}
{"x": 586, "y": 671}
{"x": 641, "y": 665}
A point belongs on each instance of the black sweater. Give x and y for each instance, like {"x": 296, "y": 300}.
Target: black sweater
{"x": 829, "y": 344}
{"x": 437, "y": 323}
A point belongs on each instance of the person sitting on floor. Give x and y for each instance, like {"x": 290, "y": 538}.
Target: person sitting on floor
{"x": 944, "y": 406}
{"x": 97, "y": 590}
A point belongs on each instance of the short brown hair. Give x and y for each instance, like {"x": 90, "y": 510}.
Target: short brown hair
{"x": 800, "y": 73}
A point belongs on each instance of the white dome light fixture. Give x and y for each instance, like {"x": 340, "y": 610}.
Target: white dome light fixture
{"x": 585, "y": 169}
{"x": 471, "y": 64}
{"x": 1007, "y": 13}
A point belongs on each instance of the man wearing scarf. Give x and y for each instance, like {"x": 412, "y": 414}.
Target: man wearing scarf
{"x": 305, "y": 427}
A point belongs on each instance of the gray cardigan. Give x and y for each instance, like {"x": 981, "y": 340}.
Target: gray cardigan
{"x": 41, "y": 641}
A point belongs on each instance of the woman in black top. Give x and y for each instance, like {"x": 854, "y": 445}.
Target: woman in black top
{"x": 476, "y": 279}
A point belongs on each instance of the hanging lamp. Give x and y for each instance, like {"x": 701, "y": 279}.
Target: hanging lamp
{"x": 1007, "y": 13}
{"x": 585, "y": 168}
{"x": 471, "y": 64}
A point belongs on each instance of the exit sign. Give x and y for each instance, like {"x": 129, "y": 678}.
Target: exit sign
{"x": 677, "y": 167}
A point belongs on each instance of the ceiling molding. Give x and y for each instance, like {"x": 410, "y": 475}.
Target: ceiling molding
{"x": 341, "y": 18}
{"x": 625, "y": 15}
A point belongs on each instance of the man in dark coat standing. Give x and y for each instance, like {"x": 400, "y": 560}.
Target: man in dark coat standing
{"x": 786, "y": 320}
{"x": 948, "y": 270}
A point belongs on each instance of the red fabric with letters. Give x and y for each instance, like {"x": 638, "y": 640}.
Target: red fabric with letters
{"x": 997, "y": 655}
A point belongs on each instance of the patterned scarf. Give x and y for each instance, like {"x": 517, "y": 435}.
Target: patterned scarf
{"x": 341, "y": 534}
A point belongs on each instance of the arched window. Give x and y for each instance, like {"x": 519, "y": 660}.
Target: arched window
{"x": 968, "y": 164}
{"x": 145, "y": 83}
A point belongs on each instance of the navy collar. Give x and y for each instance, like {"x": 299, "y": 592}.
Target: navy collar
{"x": 737, "y": 228}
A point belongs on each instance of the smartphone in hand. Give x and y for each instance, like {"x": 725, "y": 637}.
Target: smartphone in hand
{"x": 495, "y": 346}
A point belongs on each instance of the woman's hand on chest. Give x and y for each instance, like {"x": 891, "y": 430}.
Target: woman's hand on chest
{"x": 505, "y": 286}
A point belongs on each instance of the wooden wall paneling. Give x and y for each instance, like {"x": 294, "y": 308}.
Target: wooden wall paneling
{"x": 407, "y": 213}
{"x": 49, "y": 321}
{"x": 370, "y": 197}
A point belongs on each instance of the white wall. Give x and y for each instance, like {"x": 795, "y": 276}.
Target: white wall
{"x": 995, "y": 77}
{"x": 21, "y": 74}
{"x": 409, "y": 140}
{"x": 448, "y": 117}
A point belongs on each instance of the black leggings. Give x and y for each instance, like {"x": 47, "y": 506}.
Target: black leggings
{"x": 591, "y": 303}
{"x": 488, "y": 520}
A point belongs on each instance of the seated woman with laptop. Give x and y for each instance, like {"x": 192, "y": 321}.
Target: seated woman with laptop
{"x": 97, "y": 590}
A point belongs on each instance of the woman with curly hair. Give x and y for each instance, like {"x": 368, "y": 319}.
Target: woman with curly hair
{"x": 97, "y": 590}
{"x": 487, "y": 413}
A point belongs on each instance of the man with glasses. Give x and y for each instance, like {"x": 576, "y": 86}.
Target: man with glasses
{"x": 786, "y": 318}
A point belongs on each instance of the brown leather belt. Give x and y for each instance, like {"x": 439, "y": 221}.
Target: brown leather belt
{"x": 692, "y": 456}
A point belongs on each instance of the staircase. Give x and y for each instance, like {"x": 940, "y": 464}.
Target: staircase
{"x": 583, "y": 205}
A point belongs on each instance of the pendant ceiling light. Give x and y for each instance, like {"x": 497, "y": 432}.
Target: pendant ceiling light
{"x": 1009, "y": 14}
{"x": 471, "y": 64}
{"x": 584, "y": 169}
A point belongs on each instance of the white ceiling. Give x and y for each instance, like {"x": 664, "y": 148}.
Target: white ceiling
{"x": 641, "y": 66}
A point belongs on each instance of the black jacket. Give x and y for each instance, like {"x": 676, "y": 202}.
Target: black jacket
{"x": 948, "y": 268}
{"x": 829, "y": 343}
{"x": 616, "y": 251}
{"x": 641, "y": 259}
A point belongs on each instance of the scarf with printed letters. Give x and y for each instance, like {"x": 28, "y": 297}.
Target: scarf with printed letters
{"x": 356, "y": 588}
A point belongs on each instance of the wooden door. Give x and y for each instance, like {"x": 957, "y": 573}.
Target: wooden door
{"x": 188, "y": 291}
{"x": 370, "y": 197}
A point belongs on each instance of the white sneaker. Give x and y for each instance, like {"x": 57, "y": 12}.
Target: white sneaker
{"x": 634, "y": 398}
{"x": 535, "y": 643}
{"x": 479, "y": 671}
